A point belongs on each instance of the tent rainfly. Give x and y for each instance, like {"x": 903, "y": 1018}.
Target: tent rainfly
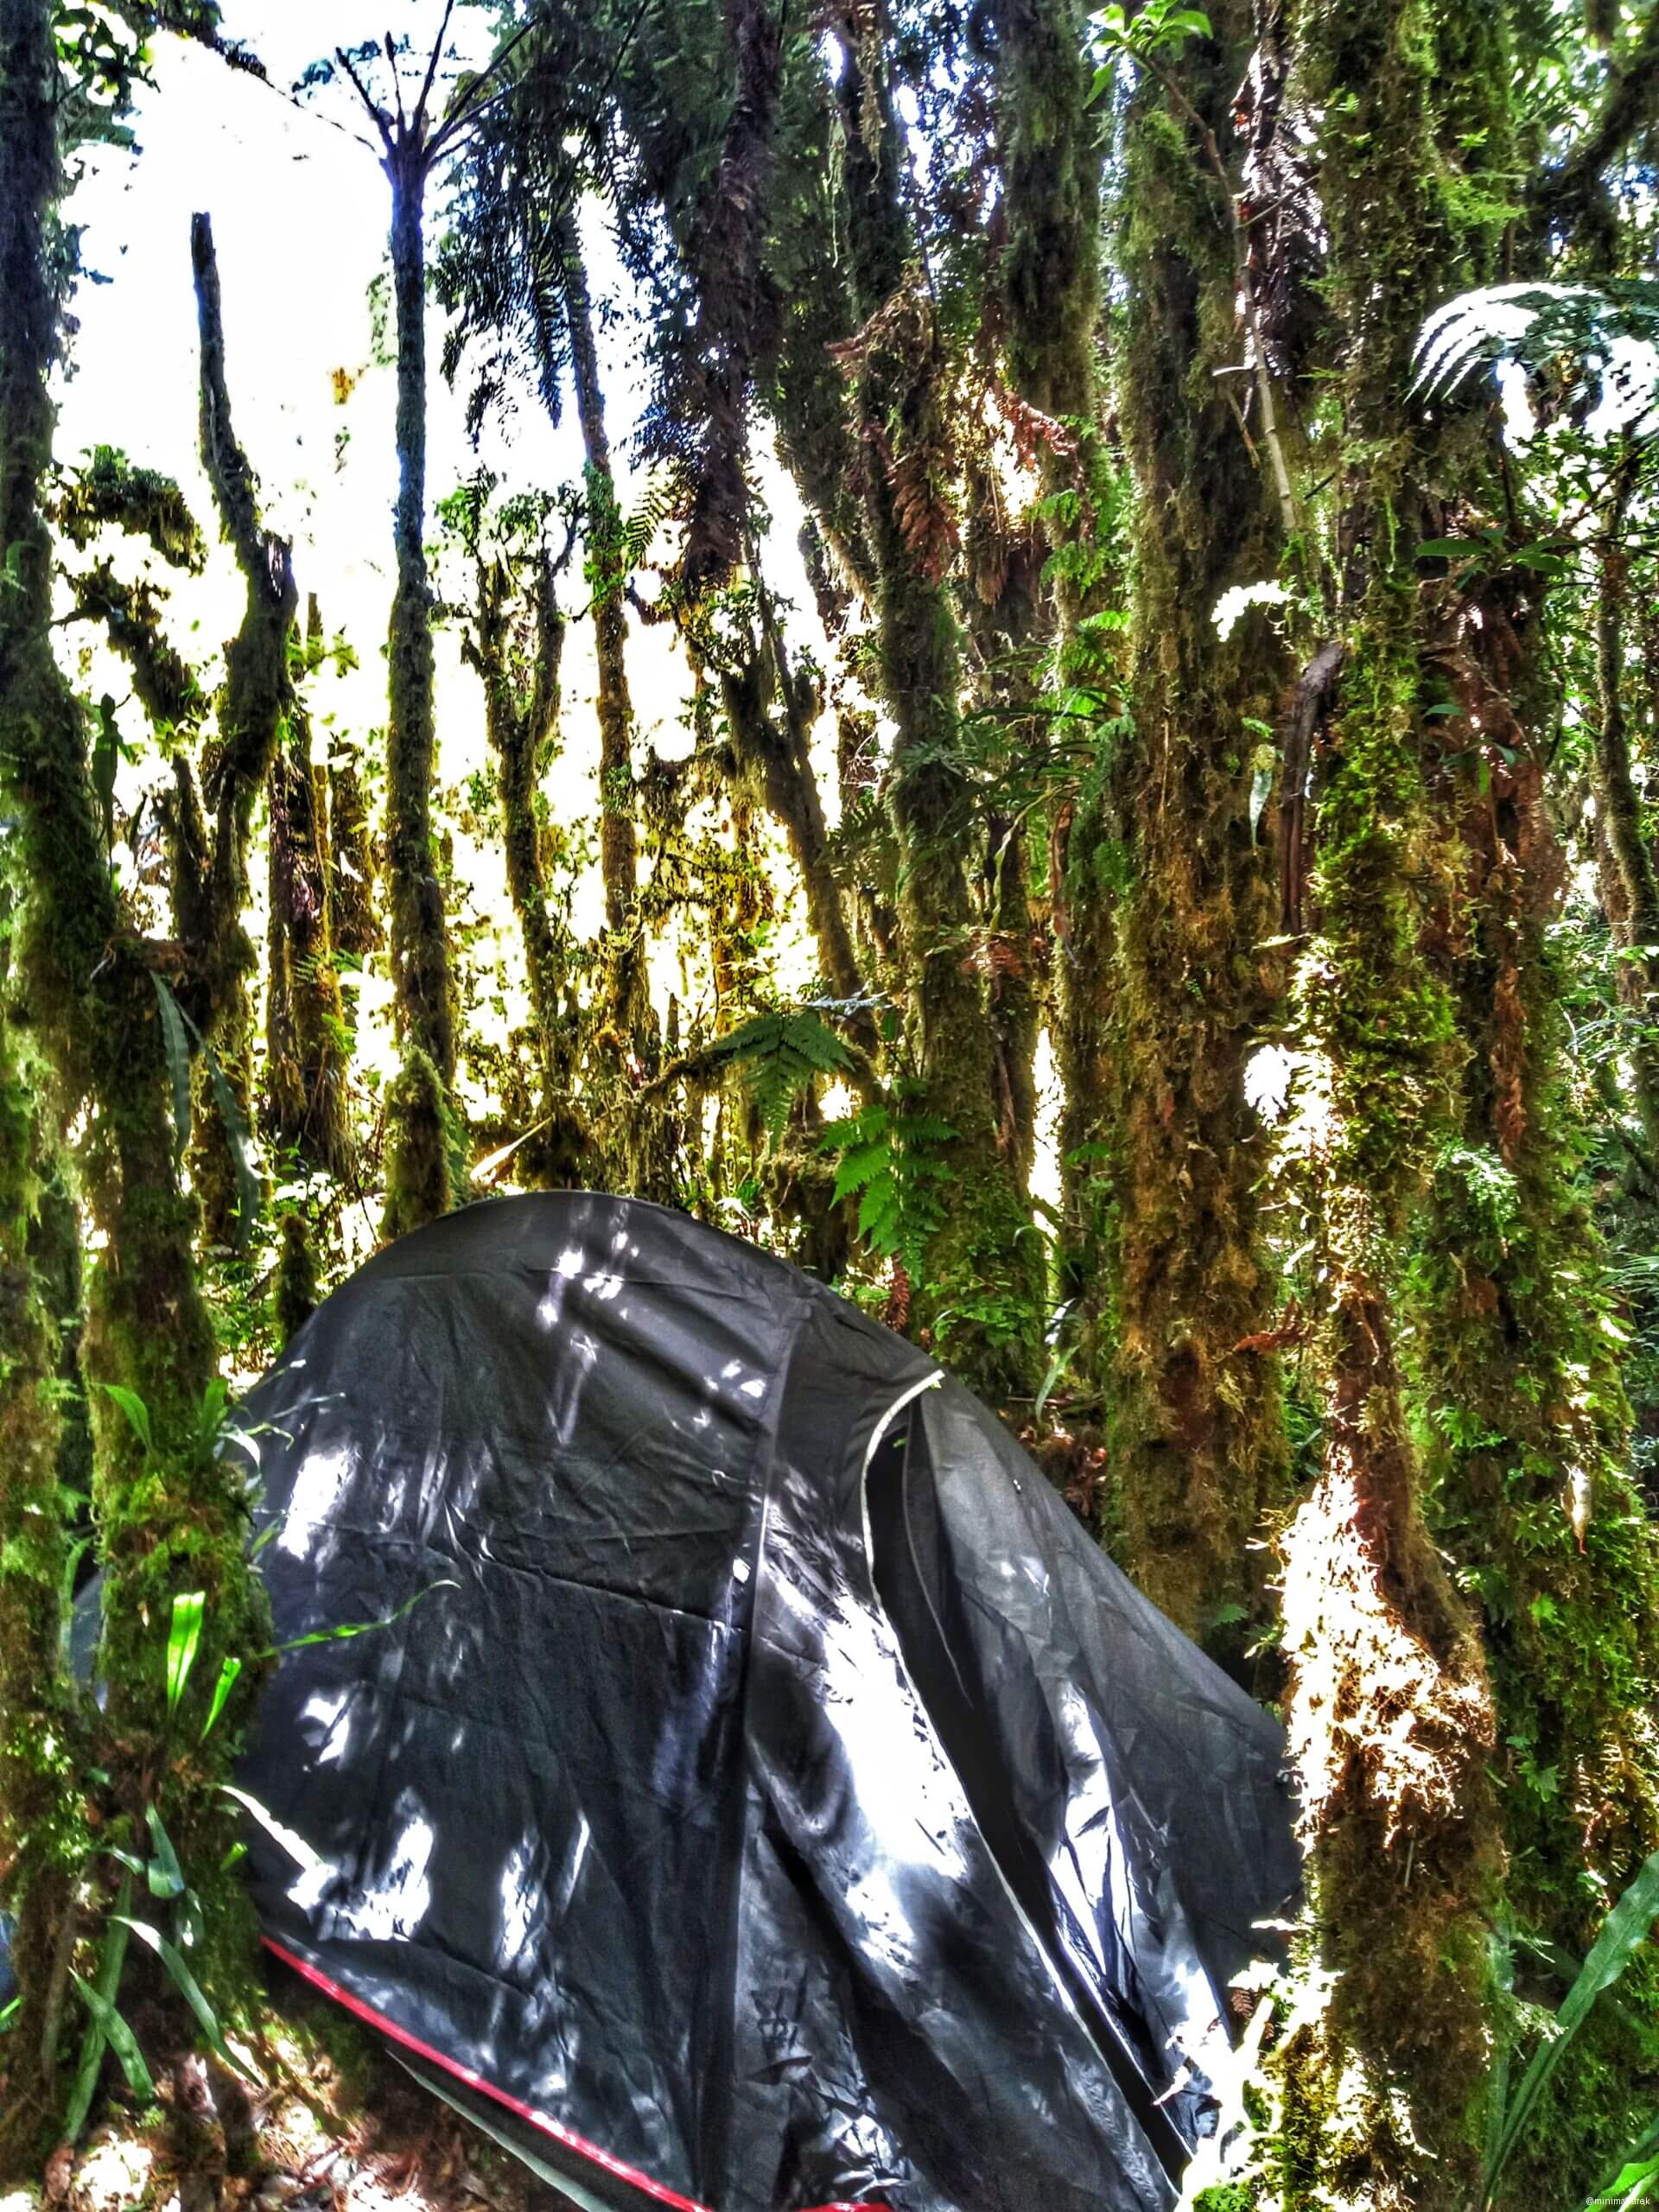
{"x": 764, "y": 1795}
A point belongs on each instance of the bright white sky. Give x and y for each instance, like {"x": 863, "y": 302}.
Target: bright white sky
{"x": 300, "y": 211}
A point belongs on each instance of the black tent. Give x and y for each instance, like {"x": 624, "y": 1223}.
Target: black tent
{"x": 760, "y": 1793}
{"x": 776, "y": 1798}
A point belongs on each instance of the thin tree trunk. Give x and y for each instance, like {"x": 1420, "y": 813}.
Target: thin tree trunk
{"x": 420, "y": 1134}
{"x": 627, "y": 1043}
{"x": 209, "y": 835}
{"x": 521, "y": 716}
{"x": 305, "y": 1059}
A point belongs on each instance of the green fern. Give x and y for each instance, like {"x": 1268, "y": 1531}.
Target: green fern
{"x": 778, "y": 1055}
{"x": 889, "y": 1157}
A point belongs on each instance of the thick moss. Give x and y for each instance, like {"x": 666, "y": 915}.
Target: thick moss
{"x": 517, "y": 650}
{"x": 1196, "y": 1435}
{"x": 1391, "y": 1712}
{"x": 420, "y": 1141}
{"x": 43, "y": 1836}
{"x": 305, "y": 1104}
{"x": 295, "y": 1294}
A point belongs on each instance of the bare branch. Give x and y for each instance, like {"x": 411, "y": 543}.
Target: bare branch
{"x": 396, "y": 87}
{"x": 468, "y": 106}
{"x": 381, "y": 120}
{"x": 433, "y": 60}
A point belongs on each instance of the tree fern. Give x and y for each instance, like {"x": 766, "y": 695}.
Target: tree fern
{"x": 1610, "y": 333}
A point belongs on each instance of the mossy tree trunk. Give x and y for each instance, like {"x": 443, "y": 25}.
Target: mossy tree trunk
{"x": 983, "y": 1293}
{"x": 1519, "y": 1348}
{"x": 1195, "y": 1427}
{"x": 1390, "y": 1712}
{"x": 209, "y": 830}
{"x": 775, "y": 756}
{"x": 1049, "y": 148}
{"x": 1621, "y": 818}
{"x": 44, "y": 1838}
{"x": 306, "y": 1110}
{"x": 517, "y": 650}
{"x": 420, "y": 946}
{"x": 629, "y": 1009}
{"x": 170, "y": 1518}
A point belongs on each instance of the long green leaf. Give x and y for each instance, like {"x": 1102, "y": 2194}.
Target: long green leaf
{"x": 137, "y": 1411}
{"x": 183, "y": 1638}
{"x": 229, "y": 1669}
{"x": 1637, "y": 2180}
{"x": 348, "y": 1629}
{"x": 189, "y": 1989}
{"x": 178, "y": 1064}
{"x": 119, "y": 2036}
{"x": 164, "y": 1874}
{"x": 1623, "y": 1933}
{"x": 112, "y": 1958}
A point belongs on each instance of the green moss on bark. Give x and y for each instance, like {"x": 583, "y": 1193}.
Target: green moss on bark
{"x": 1196, "y": 1434}
{"x": 420, "y": 1146}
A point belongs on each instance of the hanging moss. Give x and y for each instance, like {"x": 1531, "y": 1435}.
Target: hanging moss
{"x": 775, "y": 756}
{"x": 353, "y": 868}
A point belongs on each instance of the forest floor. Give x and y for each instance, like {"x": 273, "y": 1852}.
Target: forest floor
{"x": 335, "y": 2126}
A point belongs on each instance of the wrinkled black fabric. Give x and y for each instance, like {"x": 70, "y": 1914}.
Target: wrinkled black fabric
{"x": 640, "y": 1815}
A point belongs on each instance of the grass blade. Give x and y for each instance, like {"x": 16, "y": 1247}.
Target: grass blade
{"x": 228, "y": 1673}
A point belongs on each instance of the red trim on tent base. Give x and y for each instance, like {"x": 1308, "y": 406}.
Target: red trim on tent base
{"x": 542, "y": 2121}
